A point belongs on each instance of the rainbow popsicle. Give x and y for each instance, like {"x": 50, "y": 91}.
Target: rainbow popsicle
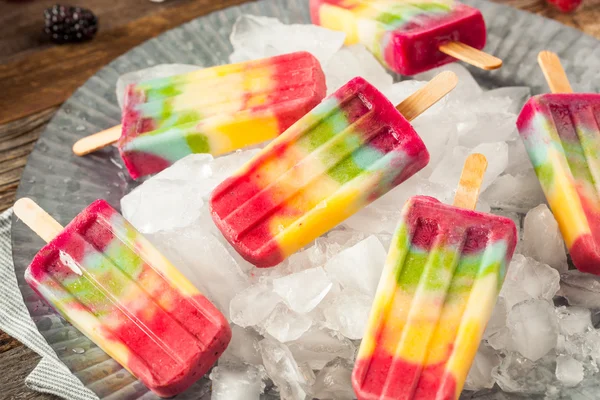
{"x": 108, "y": 281}
{"x": 561, "y": 133}
{"x": 351, "y": 149}
{"x": 216, "y": 110}
{"x": 404, "y": 35}
{"x": 439, "y": 286}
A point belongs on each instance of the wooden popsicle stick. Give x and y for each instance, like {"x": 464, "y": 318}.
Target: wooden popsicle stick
{"x": 37, "y": 219}
{"x": 418, "y": 102}
{"x": 471, "y": 55}
{"x": 554, "y": 72}
{"x": 95, "y": 142}
{"x": 470, "y": 181}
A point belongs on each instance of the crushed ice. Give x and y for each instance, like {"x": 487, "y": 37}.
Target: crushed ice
{"x": 298, "y": 323}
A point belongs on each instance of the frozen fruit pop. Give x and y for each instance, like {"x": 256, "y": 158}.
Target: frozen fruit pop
{"x": 108, "y": 281}
{"x": 440, "y": 283}
{"x": 409, "y": 36}
{"x": 561, "y": 133}
{"x": 351, "y": 149}
{"x": 214, "y": 110}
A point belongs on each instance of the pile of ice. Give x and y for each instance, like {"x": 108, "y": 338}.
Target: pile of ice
{"x": 299, "y": 323}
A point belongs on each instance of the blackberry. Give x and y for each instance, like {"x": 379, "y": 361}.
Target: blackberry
{"x": 66, "y": 24}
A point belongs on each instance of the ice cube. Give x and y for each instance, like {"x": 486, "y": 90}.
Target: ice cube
{"x": 517, "y": 374}
{"x": 385, "y": 239}
{"x": 259, "y": 37}
{"x": 595, "y": 317}
{"x": 533, "y": 327}
{"x": 353, "y": 61}
{"x": 569, "y": 371}
{"x": 205, "y": 171}
{"x": 518, "y": 160}
{"x": 482, "y": 105}
{"x": 157, "y": 71}
{"x": 325, "y": 247}
{"x": 439, "y": 133}
{"x": 511, "y": 215}
{"x": 292, "y": 380}
{"x": 336, "y": 241}
{"x": 253, "y": 304}
{"x": 358, "y": 267}
{"x": 542, "y": 239}
{"x": 317, "y": 314}
{"x": 236, "y": 382}
{"x": 297, "y": 262}
{"x": 205, "y": 261}
{"x": 480, "y": 374}
{"x": 319, "y": 346}
{"x": 176, "y": 197}
{"x": 483, "y": 206}
{"x": 516, "y": 96}
{"x": 440, "y": 191}
{"x": 582, "y": 346}
{"x": 590, "y": 345}
{"x": 448, "y": 171}
{"x": 574, "y": 320}
{"x": 162, "y": 205}
{"x": 500, "y": 340}
{"x": 192, "y": 168}
{"x": 383, "y": 214}
{"x": 496, "y": 333}
{"x": 305, "y": 259}
{"x": 224, "y": 166}
{"x": 334, "y": 381}
{"x": 580, "y": 289}
{"x": 515, "y": 193}
{"x": 348, "y": 313}
{"x": 496, "y": 154}
{"x": 375, "y": 218}
{"x": 398, "y": 92}
{"x": 285, "y": 325}
{"x": 528, "y": 279}
{"x": 587, "y": 389}
{"x": 304, "y": 290}
{"x": 243, "y": 347}
{"x": 467, "y": 87}
{"x": 485, "y": 127}
{"x": 317, "y": 255}
{"x": 268, "y": 274}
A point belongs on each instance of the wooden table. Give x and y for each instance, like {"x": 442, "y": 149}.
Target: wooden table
{"x": 36, "y": 77}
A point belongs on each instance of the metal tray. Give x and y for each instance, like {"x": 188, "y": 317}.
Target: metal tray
{"x": 64, "y": 184}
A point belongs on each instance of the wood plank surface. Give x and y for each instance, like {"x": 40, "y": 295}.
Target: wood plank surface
{"x": 46, "y": 78}
{"x": 586, "y": 18}
{"x": 19, "y": 362}
{"x": 16, "y": 142}
{"x": 7, "y": 342}
{"x": 22, "y": 21}
{"x": 37, "y": 76}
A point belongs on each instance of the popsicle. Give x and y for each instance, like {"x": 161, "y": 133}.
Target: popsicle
{"x": 562, "y": 136}
{"x": 108, "y": 281}
{"x": 351, "y": 149}
{"x": 409, "y": 36}
{"x": 214, "y": 110}
{"x": 436, "y": 294}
